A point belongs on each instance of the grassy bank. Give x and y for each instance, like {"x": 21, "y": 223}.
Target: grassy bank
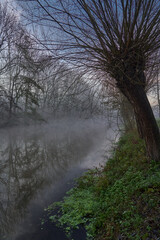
{"x": 119, "y": 201}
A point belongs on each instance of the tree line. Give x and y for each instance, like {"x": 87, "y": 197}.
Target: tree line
{"x": 33, "y": 85}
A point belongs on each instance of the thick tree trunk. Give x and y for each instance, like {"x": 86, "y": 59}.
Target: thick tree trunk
{"x": 127, "y": 114}
{"x": 146, "y": 123}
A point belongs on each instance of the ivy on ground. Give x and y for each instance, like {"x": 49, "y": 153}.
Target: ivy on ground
{"x": 119, "y": 201}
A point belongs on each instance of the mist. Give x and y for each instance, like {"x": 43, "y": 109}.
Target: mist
{"x": 37, "y": 161}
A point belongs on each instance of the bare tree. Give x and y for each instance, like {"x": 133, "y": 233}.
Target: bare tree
{"x": 8, "y": 29}
{"x": 65, "y": 92}
{"x": 8, "y": 24}
{"x": 115, "y": 37}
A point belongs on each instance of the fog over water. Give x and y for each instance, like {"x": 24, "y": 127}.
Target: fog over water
{"x": 38, "y": 165}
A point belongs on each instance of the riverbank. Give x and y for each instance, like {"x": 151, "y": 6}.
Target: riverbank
{"x": 120, "y": 200}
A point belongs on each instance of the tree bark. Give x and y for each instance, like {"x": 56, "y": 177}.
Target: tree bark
{"x": 146, "y": 123}
{"x": 127, "y": 114}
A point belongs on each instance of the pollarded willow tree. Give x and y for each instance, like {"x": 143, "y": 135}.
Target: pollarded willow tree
{"x": 115, "y": 37}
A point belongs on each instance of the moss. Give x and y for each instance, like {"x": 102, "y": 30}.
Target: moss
{"x": 120, "y": 200}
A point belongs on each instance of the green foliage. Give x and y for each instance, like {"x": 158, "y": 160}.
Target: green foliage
{"x": 120, "y": 200}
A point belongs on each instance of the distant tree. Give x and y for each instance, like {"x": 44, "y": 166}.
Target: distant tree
{"x": 20, "y": 66}
{"x": 30, "y": 65}
{"x": 114, "y": 37}
{"x": 65, "y": 92}
{"x": 8, "y": 23}
{"x": 8, "y": 28}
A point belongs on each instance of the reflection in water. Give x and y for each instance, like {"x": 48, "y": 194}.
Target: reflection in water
{"x": 33, "y": 159}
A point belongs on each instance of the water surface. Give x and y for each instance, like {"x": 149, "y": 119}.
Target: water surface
{"x": 37, "y": 166}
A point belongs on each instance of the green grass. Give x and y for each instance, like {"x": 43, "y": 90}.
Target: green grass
{"x": 122, "y": 199}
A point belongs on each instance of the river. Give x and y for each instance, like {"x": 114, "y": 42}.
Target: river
{"x": 37, "y": 167}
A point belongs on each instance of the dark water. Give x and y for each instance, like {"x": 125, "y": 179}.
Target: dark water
{"x": 37, "y": 167}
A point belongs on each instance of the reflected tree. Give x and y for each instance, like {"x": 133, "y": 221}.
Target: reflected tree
{"x": 29, "y": 162}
